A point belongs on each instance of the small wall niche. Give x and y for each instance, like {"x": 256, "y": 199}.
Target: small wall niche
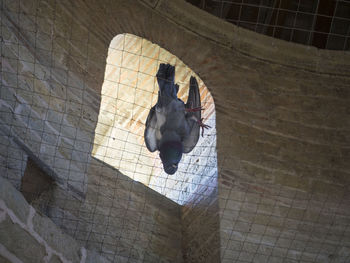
{"x": 34, "y": 182}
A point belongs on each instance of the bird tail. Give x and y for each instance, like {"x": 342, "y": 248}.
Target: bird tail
{"x": 165, "y": 78}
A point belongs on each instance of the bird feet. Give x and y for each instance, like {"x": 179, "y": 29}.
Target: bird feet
{"x": 203, "y": 126}
{"x": 194, "y": 109}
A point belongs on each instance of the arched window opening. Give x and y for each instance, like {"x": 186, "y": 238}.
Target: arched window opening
{"x": 129, "y": 91}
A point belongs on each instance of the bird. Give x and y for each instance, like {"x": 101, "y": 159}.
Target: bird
{"x": 173, "y": 127}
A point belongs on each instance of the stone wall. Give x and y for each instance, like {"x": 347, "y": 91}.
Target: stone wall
{"x": 51, "y": 78}
{"x": 27, "y": 236}
{"x": 282, "y": 113}
{"x": 122, "y": 219}
{"x": 201, "y": 225}
{"x": 284, "y": 183}
{"x": 119, "y": 218}
{"x": 13, "y": 160}
{"x": 283, "y": 138}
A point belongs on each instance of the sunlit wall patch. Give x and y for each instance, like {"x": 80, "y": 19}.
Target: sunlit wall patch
{"x": 129, "y": 90}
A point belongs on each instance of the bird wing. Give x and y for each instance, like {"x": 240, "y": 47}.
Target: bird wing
{"x": 150, "y": 131}
{"x": 193, "y": 101}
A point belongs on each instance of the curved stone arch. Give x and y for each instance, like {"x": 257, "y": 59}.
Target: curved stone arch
{"x": 128, "y": 92}
{"x": 282, "y": 121}
{"x": 276, "y": 104}
{"x": 251, "y": 44}
{"x": 271, "y": 96}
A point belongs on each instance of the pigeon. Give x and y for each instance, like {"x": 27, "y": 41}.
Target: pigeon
{"x": 173, "y": 127}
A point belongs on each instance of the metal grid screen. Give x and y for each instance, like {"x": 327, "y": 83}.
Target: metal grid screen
{"x": 320, "y": 23}
{"x": 129, "y": 91}
{"x": 54, "y": 118}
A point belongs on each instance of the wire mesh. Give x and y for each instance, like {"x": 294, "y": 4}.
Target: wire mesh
{"x": 49, "y": 108}
{"x": 323, "y": 24}
{"x": 47, "y": 103}
{"x": 129, "y": 91}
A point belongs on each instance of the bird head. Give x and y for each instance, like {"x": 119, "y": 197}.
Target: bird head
{"x": 171, "y": 154}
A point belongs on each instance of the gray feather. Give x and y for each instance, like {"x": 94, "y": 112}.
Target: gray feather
{"x": 168, "y": 120}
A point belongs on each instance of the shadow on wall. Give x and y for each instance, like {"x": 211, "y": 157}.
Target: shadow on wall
{"x": 129, "y": 91}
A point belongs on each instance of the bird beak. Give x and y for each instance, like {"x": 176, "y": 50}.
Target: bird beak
{"x": 174, "y": 165}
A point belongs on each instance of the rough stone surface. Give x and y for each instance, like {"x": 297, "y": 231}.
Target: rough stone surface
{"x": 120, "y": 218}
{"x": 4, "y": 260}
{"x": 14, "y": 199}
{"x": 56, "y": 239}
{"x": 35, "y": 238}
{"x": 55, "y": 259}
{"x": 282, "y": 113}
{"x": 201, "y": 224}
{"x": 20, "y": 242}
{"x": 93, "y": 257}
{"x": 13, "y": 160}
{"x": 34, "y": 181}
